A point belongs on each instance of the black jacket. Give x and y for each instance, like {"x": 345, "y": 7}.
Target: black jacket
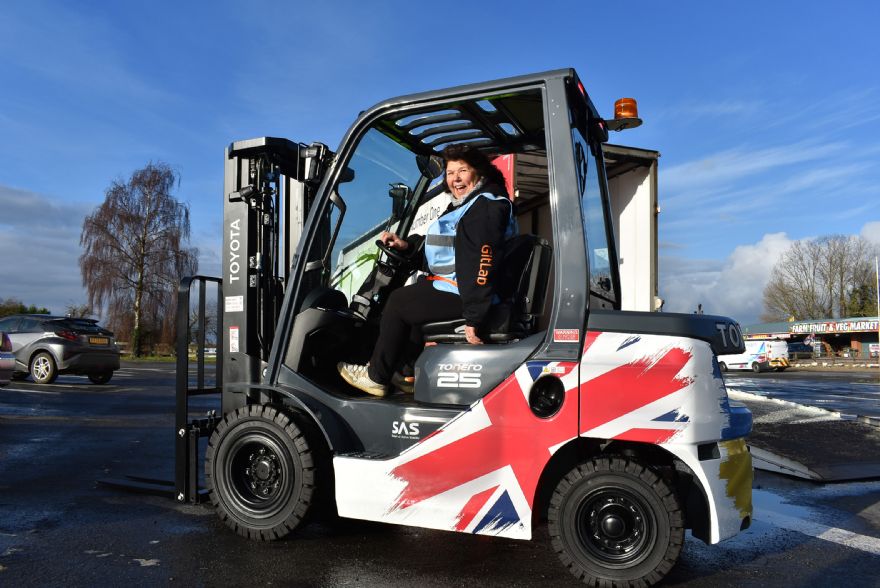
{"x": 479, "y": 247}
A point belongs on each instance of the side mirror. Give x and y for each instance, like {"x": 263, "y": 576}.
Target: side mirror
{"x": 430, "y": 166}
{"x": 400, "y": 194}
{"x": 346, "y": 175}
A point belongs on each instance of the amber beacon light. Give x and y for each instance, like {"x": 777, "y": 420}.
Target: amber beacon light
{"x": 626, "y": 108}
{"x": 626, "y": 115}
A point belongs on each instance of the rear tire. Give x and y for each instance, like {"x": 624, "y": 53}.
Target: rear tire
{"x": 43, "y": 369}
{"x": 722, "y": 366}
{"x": 756, "y": 367}
{"x": 101, "y": 378}
{"x": 612, "y": 521}
{"x": 260, "y": 472}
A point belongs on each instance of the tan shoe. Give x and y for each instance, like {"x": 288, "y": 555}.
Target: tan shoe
{"x": 357, "y": 376}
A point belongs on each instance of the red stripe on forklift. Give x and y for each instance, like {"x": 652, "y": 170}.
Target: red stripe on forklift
{"x": 630, "y": 387}
{"x": 472, "y": 507}
{"x": 654, "y": 436}
{"x": 590, "y": 338}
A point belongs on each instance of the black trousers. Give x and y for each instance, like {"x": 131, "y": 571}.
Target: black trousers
{"x": 400, "y": 333}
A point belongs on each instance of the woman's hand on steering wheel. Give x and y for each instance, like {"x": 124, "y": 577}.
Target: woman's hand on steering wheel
{"x": 393, "y": 246}
{"x": 392, "y": 240}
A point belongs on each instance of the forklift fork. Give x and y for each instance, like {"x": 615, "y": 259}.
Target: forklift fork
{"x": 188, "y": 432}
{"x": 185, "y": 486}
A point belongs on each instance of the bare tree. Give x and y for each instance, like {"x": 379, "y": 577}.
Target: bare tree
{"x": 78, "y": 311}
{"x": 825, "y": 277}
{"x": 135, "y": 253}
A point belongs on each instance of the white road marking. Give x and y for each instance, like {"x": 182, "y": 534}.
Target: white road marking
{"x": 51, "y": 392}
{"x": 770, "y": 508}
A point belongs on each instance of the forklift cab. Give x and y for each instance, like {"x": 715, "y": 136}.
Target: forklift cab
{"x": 388, "y": 176}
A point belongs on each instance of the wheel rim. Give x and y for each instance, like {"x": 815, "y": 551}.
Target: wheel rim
{"x": 615, "y": 527}
{"x": 42, "y": 367}
{"x": 260, "y": 475}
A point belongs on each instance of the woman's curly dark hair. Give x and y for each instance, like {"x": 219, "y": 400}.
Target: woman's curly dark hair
{"x": 477, "y": 160}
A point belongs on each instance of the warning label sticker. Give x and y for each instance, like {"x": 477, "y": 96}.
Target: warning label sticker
{"x": 234, "y": 304}
{"x": 233, "y": 339}
{"x": 566, "y": 335}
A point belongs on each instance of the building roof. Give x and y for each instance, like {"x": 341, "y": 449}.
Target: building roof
{"x": 843, "y": 325}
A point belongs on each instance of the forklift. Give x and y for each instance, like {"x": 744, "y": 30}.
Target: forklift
{"x": 612, "y": 426}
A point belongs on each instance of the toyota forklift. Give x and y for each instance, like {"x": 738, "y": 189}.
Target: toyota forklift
{"x": 612, "y": 426}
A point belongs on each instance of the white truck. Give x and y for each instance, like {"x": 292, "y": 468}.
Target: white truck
{"x": 759, "y": 356}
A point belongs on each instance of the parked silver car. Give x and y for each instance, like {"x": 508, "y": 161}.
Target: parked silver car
{"x": 7, "y": 359}
{"x": 45, "y": 346}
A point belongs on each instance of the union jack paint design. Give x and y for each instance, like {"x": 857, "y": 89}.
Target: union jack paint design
{"x": 479, "y": 473}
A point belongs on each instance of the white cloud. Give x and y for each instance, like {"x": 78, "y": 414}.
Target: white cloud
{"x": 713, "y": 110}
{"x": 729, "y": 166}
{"x": 871, "y": 232}
{"x": 25, "y": 210}
{"x": 39, "y": 241}
{"x": 40, "y": 266}
{"x": 39, "y": 238}
{"x": 733, "y": 287}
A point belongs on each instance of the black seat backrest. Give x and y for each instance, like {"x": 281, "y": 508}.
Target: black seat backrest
{"x": 525, "y": 270}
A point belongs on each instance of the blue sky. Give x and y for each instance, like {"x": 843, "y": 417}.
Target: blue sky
{"x": 766, "y": 115}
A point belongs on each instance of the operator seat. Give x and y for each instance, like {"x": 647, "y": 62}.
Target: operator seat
{"x": 525, "y": 268}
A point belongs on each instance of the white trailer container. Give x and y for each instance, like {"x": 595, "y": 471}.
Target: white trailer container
{"x": 632, "y": 182}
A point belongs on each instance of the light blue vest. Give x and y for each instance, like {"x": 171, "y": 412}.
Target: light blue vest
{"x": 440, "y": 242}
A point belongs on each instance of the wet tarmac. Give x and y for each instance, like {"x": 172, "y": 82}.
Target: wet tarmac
{"x": 855, "y": 393}
{"x": 59, "y": 528}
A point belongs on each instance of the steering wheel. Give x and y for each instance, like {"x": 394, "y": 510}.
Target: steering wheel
{"x": 392, "y": 253}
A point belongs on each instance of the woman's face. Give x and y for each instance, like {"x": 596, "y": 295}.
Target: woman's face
{"x": 460, "y": 178}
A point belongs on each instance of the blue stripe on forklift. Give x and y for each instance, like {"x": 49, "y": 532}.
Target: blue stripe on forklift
{"x": 672, "y": 417}
{"x": 536, "y": 368}
{"x": 500, "y": 516}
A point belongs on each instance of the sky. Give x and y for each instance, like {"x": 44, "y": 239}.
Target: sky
{"x": 766, "y": 114}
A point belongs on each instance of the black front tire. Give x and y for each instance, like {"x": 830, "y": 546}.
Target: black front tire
{"x": 101, "y": 377}
{"x": 43, "y": 368}
{"x": 756, "y": 367}
{"x": 612, "y": 521}
{"x": 260, "y": 472}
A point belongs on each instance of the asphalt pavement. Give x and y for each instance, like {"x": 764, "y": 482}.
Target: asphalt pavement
{"x": 59, "y": 527}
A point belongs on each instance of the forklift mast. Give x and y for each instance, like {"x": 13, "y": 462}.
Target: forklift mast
{"x": 269, "y": 186}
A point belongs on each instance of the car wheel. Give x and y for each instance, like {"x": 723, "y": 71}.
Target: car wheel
{"x": 260, "y": 472}
{"x": 722, "y": 366}
{"x": 100, "y": 377}
{"x": 43, "y": 369}
{"x": 756, "y": 367}
{"x": 612, "y": 521}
